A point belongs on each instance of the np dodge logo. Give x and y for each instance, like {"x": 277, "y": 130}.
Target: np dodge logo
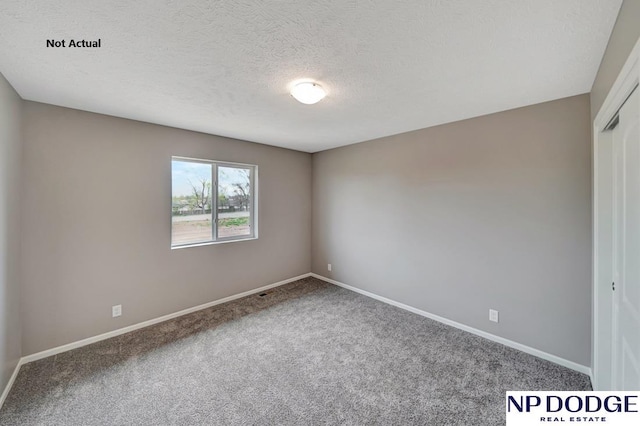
{"x": 538, "y": 408}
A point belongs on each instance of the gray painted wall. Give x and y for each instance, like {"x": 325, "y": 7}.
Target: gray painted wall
{"x": 623, "y": 37}
{"x": 97, "y": 205}
{"x": 502, "y": 168}
{"x": 491, "y": 212}
{"x": 10, "y": 162}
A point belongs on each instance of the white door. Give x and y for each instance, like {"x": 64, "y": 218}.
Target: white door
{"x": 626, "y": 247}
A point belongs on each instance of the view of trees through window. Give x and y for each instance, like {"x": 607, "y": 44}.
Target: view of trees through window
{"x": 210, "y": 201}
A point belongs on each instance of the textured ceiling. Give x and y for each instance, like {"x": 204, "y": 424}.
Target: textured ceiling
{"x": 224, "y": 67}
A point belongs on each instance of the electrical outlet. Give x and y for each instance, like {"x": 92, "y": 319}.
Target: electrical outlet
{"x": 116, "y": 311}
{"x": 493, "y": 315}
{"x": 329, "y": 267}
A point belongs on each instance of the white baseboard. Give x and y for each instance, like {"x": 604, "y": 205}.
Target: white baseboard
{"x": 10, "y": 382}
{"x": 80, "y": 343}
{"x": 510, "y": 343}
{"x": 110, "y": 334}
{"x": 84, "y": 342}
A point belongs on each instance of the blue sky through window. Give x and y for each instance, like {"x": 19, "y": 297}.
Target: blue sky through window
{"x": 182, "y": 172}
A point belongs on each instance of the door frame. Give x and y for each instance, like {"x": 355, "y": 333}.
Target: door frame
{"x": 625, "y": 84}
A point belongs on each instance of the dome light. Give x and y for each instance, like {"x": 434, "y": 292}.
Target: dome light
{"x": 308, "y": 92}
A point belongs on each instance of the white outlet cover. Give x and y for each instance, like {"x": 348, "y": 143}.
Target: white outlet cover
{"x": 493, "y": 315}
{"x": 329, "y": 267}
{"x": 116, "y": 311}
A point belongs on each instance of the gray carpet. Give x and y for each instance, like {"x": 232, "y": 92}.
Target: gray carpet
{"x": 306, "y": 353}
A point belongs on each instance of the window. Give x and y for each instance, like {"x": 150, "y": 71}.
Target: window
{"x": 212, "y": 201}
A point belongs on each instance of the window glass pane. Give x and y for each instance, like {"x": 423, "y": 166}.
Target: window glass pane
{"x": 234, "y": 198}
{"x": 191, "y": 216}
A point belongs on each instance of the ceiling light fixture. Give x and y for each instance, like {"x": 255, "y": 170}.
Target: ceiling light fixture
{"x": 308, "y": 92}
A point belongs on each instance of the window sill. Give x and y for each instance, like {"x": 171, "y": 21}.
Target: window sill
{"x": 212, "y": 243}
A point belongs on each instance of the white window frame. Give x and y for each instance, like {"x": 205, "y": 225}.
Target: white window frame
{"x": 253, "y": 202}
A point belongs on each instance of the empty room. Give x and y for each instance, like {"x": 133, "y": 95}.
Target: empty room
{"x": 319, "y": 212}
